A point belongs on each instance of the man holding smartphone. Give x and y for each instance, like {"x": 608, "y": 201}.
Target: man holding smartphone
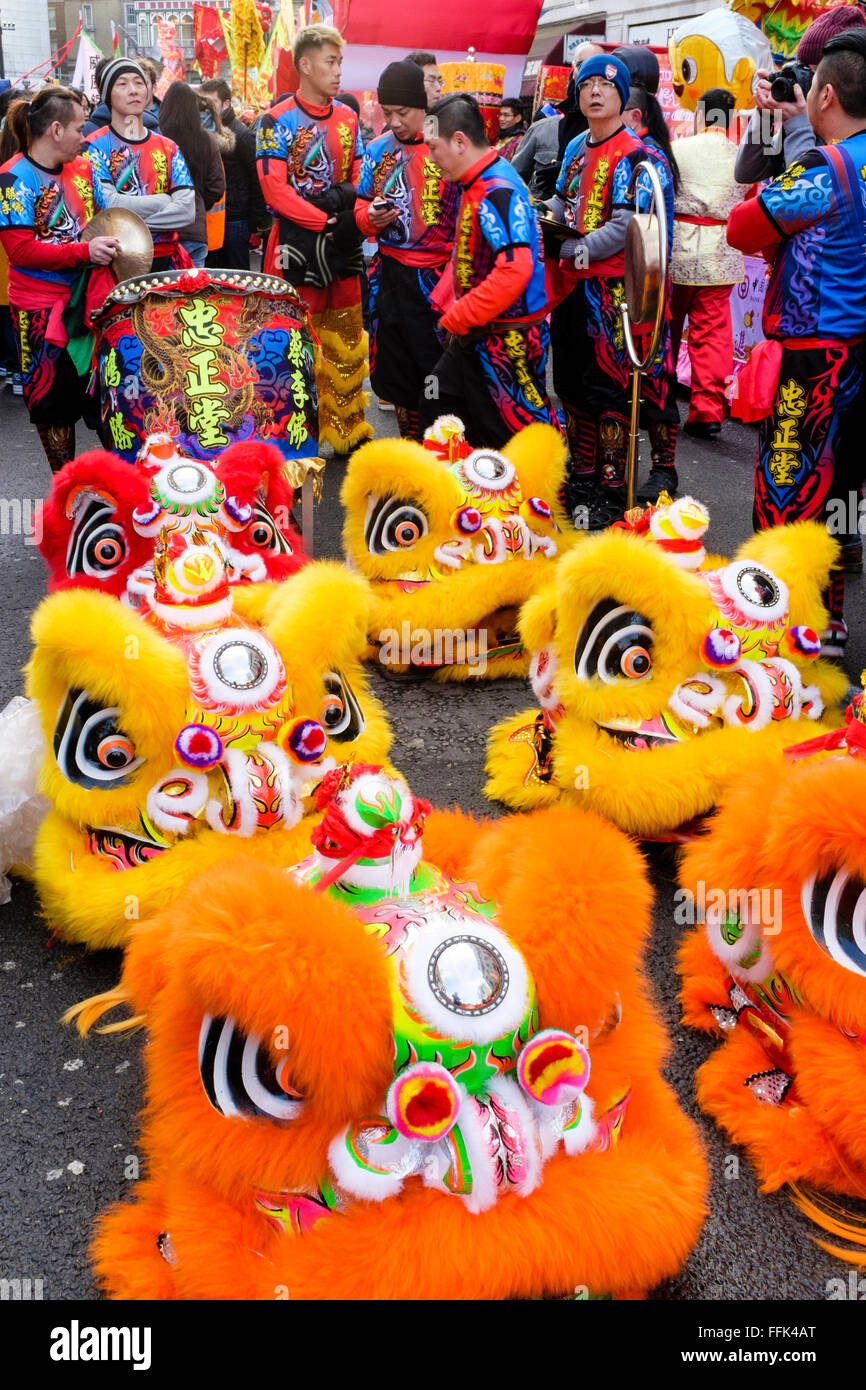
{"x": 409, "y": 208}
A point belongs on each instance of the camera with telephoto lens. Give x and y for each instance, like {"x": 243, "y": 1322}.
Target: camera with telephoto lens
{"x": 782, "y": 85}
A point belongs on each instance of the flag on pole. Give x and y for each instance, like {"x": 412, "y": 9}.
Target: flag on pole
{"x": 210, "y": 48}
{"x": 115, "y": 39}
{"x": 89, "y": 55}
{"x": 174, "y": 68}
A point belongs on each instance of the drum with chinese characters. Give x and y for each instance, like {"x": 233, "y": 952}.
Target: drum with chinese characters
{"x": 212, "y": 357}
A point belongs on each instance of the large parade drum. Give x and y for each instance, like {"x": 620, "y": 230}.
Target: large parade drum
{"x": 214, "y": 357}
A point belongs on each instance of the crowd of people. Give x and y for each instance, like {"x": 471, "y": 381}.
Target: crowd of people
{"x": 489, "y": 256}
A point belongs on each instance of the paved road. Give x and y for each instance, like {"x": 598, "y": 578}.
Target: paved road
{"x": 69, "y": 1105}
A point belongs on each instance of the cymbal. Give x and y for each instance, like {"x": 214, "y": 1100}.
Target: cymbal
{"x": 550, "y": 224}
{"x": 642, "y": 278}
{"x": 136, "y": 244}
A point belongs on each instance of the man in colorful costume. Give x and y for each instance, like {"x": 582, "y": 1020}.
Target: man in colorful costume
{"x": 309, "y": 150}
{"x": 813, "y": 219}
{"x": 48, "y": 194}
{"x": 406, "y": 204}
{"x": 591, "y": 367}
{"x": 492, "y": 375}
{"x": 139, "y": 169}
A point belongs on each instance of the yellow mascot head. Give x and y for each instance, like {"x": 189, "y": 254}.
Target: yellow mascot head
{"x": 719, "y": 49}
{"x": 661, "y": 675}
{"x": 453, "y": 540}
{"x": 202, "y": 717}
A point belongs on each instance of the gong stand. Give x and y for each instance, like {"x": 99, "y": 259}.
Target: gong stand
{"x": 646, "y": 293}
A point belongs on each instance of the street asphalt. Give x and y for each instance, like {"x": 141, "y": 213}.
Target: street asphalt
{"x": 69, "y": 1106}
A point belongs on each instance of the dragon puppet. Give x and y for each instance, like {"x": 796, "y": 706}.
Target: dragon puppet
{"x": 453, "y": 541}
{"x": 776, "y": 968}
{"x": 661, "y": 673}
{"x": 199, "y": 715}
{"x": 367, "y": 1079}
{"x": 99, "y": 522}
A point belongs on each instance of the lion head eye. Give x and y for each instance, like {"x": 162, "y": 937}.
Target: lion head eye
{"x": 615, "y": 643}
{"x": 340, "y": 712}
{"x": 834, "y": 906}
{"x": 264, "y": 533}
{"x": 97, "y": 545}
{"x": 239, "y": 1076}
{"x": 394, "y": 525}
{"x": 89, "y": 746}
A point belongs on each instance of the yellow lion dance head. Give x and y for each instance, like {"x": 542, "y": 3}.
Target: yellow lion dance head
{"x": 453, "y": 541}
{"x": 199, "y": 718}
{"x": 661, "y": 675}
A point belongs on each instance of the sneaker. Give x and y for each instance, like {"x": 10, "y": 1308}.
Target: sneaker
{"x": 17, "y": 384}
{"x": 659, "y": 480}
{"x": 386, "y": 405}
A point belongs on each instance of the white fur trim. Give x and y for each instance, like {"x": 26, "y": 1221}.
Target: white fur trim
{"x": 173, "y": 814}
{"x": 693, "y": 706}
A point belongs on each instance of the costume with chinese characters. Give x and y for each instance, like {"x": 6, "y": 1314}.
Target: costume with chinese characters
{"x": 405, "y": 343}
{"x": 309, "y": 160}
{"x": 591, "y": 366}
{"x": 810, "y": 445}
{"x": 395, "y": 1070}
{"x": 42, "y": 215}
{"x": 142, "y": 168}
{"x": 493, "y": 374}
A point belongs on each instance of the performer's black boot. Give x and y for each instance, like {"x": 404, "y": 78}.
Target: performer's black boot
{"x": 663, "y": 473}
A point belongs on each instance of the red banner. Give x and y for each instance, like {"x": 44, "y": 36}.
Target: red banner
{"x": 506, "y": 27}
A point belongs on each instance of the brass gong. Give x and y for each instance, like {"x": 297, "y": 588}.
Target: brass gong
{"x": 136, "y": 244}
{"x": 642, "y": 268}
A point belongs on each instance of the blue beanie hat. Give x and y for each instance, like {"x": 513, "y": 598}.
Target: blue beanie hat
{"x": 605, "y": 65}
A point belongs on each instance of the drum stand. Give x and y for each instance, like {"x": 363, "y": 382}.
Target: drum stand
{"x": 646, "y": 293}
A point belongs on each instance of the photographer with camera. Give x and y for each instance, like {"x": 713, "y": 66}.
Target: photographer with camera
{"x": 812, "y": 220}
{"x": 784, "y": 94}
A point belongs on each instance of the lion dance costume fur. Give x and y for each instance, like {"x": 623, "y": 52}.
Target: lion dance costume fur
{"x": 197, "y": 717}
{"x": 100, "y": 519}
{"x": 367, "y": 1080}
{"x": 662, "y": 674}
{"x": 778, "y": 970}
{"x": 453, "y": 541}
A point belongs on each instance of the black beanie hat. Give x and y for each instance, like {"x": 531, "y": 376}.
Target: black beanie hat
{"x": 643, "y": 66}
{"x": 112, "y": 71}
{"x": 402, "y": 84}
